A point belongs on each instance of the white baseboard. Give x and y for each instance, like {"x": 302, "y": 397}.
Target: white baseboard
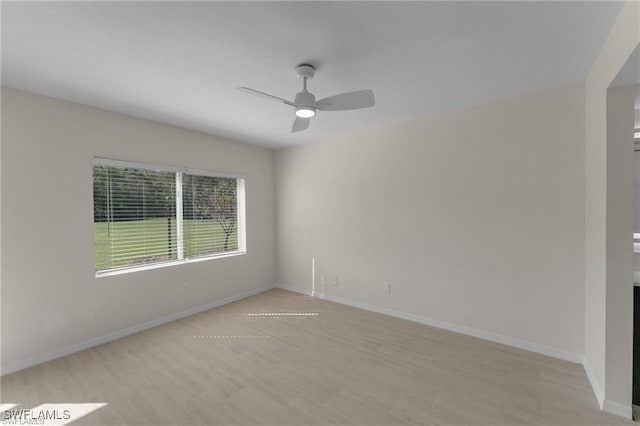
{"x": 618, "y": 409}
{"x": 520, "y": 344}
{"x": 609, "y": 406}
{"x": 30, "y": 362}
{"x": 595, "y": 385}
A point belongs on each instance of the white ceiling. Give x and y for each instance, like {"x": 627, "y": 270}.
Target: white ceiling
{"x": 179, "y": 62}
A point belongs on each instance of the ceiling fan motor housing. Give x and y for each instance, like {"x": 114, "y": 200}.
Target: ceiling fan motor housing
{"x": 305, "y": 100}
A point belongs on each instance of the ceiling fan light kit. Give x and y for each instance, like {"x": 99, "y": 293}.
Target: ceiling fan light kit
{"x": 305, "y": 103}
{"x": 305, "y": 111}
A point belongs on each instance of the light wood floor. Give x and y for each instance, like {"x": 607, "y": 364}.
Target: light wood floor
{"x": 280, "y": 358}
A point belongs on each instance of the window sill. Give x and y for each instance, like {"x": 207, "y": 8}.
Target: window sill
{"x": 128, "y": 269}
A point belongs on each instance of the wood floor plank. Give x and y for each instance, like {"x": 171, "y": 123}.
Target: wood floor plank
{"x": 281, "y": 358}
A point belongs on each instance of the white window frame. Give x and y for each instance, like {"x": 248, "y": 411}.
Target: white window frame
{"x": 179, "y": 171}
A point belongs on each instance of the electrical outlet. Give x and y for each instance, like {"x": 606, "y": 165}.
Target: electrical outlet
{"x": 335, "y": 281}
{"x": 184, "y": 288}
{"x": 387, "y": 288}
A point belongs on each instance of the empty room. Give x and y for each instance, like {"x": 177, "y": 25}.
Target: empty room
{"x": 320, "y": 213}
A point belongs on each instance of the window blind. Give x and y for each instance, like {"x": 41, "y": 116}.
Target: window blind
{"x": 134, "y": 216}
{"x": 210, "y": 216}
{"x": 146, "y": 214}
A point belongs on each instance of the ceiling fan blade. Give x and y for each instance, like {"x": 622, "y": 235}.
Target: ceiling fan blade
{"x": 347, "y": 101}
{"x": 300, "y": 124}
{"x": 265, "y": 95}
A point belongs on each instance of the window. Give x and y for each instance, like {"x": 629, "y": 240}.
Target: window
{"x": 149, "y": 215}
{"x": 210, "y": 215}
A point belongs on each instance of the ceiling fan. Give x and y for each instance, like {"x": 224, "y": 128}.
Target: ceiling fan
{"x": 305, "y": 102}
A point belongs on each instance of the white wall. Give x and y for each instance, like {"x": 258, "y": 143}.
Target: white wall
{"x": 476, "y": 218}
{"x": 636, "y": 190}
{"x": 619, "y": 325}
{"x": 50, "y": 296}
{"x": 620, "y": 44}
{"x": 636, "y": 214}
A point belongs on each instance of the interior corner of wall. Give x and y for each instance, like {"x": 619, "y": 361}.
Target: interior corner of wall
{"x": 595, "y": 384}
